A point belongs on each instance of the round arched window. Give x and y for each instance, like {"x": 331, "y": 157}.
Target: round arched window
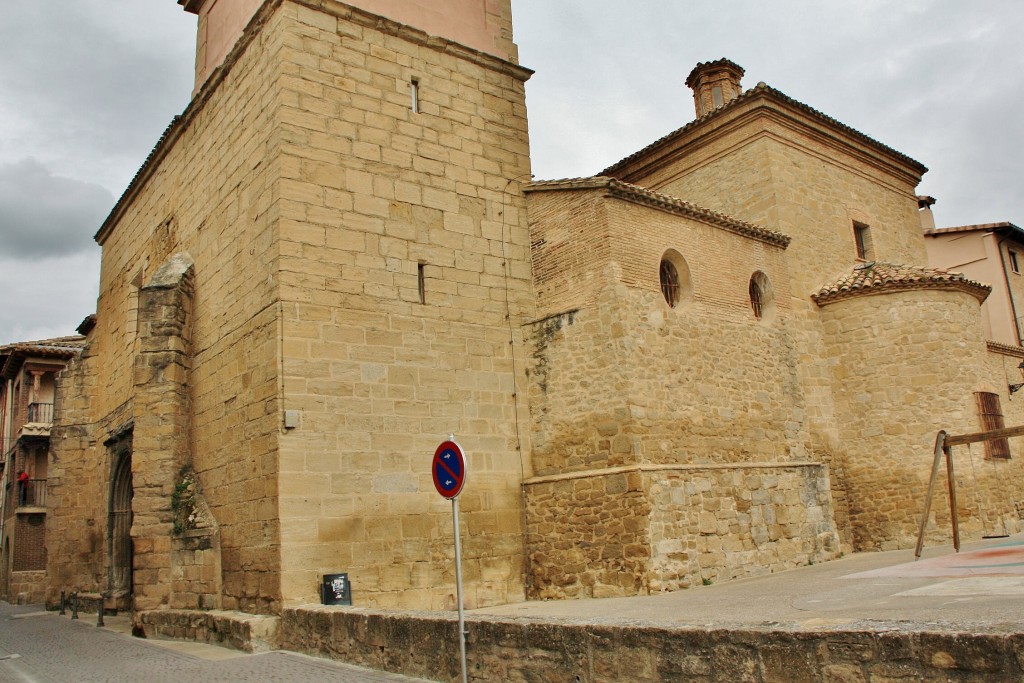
{"x": 674, "y": 276}
{"x": 762, "y": 299}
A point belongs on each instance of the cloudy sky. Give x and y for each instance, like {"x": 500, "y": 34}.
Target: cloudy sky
{"x": 87, "y": 86}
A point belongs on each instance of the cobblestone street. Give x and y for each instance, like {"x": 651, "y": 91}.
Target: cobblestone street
{"x": 43, "y": 647}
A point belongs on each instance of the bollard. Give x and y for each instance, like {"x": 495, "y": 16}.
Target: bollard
{"x": 99, "y": 611}
{"x": 62, "y": 599}
{"x": 74, "y": 605}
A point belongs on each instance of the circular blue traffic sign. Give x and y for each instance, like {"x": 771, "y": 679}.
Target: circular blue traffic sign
{"x": 449, "y": 469}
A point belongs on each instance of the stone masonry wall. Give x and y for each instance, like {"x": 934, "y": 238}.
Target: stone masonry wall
{"x": 405, "y": 277}
{"x": 77, "y": 487}
{"x": 210, "y": 190}
{"x": 906, "y": 364}
{"x": 518, "y": 651}
{"x": 713, "y": 524}
{"x": 628, "y": 379}
{"x": 588, "y": 536}
{"x": 162, "y": 421}
{"x": 796, "y": 181}
{"x": 196, "y": 581}
{"x": 26, "y": 588}
{"x": 622, "y": 379}
{"x": 644, "y": 530}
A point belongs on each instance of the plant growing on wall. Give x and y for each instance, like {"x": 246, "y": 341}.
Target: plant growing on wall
{"x": 184, "y": 501}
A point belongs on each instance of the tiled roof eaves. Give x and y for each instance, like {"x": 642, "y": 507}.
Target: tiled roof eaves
{"x": 981, "y": 227}
{"x": 180, "y": 123}
{"x": 73, "y": 341}
{"x": 640, "y": 195}
{"x": 16, "y": 354}
{"x": 979, "y": 291}
{"x": 763, "y": 90}
{"x": 1005, "y": 349}
{"x": 897, "y": 278}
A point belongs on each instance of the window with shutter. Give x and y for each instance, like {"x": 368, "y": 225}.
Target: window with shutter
{"x": 991, "y": 414}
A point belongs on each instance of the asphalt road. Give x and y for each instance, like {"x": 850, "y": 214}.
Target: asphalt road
{"x": 43, "y": 647}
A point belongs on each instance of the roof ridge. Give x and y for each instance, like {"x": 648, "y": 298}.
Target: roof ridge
{"x": 763, "y": 88}
{"x": 656, "y": 199}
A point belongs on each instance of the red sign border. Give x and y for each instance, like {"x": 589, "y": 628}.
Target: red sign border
{"x": 446, "y": 445}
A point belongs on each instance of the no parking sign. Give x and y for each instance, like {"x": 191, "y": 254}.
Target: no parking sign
{"x": 449, "y": 469}
{"x": 449, "y": 472}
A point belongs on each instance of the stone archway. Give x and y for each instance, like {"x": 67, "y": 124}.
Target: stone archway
{"x": 121, "y": 553}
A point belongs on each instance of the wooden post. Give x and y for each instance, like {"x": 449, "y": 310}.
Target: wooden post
{"x": 944, "y": 445}
{"x": 951, "y": 482}
{"x": 939, "y": 448}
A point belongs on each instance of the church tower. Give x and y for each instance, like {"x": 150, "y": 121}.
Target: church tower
{"x": 320, "y": 273}
{"x": 483, "y": 25}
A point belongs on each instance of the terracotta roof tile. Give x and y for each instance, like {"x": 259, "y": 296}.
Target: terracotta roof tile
{"x": 12, "y": 356}
{"x": 763, "y": 90}
{"x": 721, "y": 63}
{"x": 74, "y": 341}
{"x": 642, "y": 195}
{"x": 1002, "y": 227}
{"x": 877, "y": 278}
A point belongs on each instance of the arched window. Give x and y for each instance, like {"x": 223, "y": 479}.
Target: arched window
{"x": 674, "y": 276}
{"x": 762, "y": 298}
{"x": 669, "y": 283}
{"x": 756, "y": 301}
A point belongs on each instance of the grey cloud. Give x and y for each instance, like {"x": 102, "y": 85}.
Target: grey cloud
{"x": 42, "y": 214}
{"x": 87, "y": 86}
{"x": 47, "y": 298}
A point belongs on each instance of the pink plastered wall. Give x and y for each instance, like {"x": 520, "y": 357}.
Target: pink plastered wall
{"x": 473, "y": 23}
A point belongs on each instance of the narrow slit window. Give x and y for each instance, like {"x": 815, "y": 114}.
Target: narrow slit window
{"x": 862, "y": 240}
{"x": 414, "y": 90}
{"x": 421, "y": 281}
{"x": 1014, "y": 266}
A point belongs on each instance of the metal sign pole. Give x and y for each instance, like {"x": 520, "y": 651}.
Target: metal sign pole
{"x": 458, "y": 588}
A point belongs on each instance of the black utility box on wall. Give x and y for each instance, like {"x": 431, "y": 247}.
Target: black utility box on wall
{"x": 336, "y": 590}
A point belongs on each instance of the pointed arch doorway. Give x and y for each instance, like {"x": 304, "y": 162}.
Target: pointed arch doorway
{"x": 120, "y": 549}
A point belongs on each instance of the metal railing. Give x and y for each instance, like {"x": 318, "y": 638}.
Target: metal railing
{"x": 40, "y": 413}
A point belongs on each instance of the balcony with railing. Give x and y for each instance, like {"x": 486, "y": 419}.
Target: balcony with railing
{"x": 40, "y": 413}
{"x": 38, "y": 420}
{"x": 27, "y": 497}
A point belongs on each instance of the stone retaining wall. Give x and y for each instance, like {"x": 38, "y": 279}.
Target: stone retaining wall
{"x": 647, "y": 529}
{"x": 511, "y": 650}
{"x": 236, "y": 630}
{"x": 26, "y": 588}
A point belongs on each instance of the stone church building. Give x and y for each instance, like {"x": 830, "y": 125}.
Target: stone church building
{"x": 724, "y": 355}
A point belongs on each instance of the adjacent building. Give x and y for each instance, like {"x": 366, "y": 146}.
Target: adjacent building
{"x": 27, "y": 374}
{"x": 724, "y": 355}
{"x": 992, "y": 253}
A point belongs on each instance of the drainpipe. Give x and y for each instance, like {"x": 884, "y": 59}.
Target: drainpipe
{"x": 1009, "y": 292}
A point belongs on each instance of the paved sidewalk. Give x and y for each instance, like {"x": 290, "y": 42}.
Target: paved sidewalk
{"x": 43, "y": 647}
{"x": 979, "y": 589}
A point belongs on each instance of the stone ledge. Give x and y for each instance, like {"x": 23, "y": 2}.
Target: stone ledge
{"x": 236, "y": 630}
{"x": 626, "y": 469}
{"x": 562, "y": 651}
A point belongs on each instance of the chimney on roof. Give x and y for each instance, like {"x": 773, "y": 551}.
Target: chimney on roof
{"x": 714, "y": 84}
{"x": 924, "y": 210}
